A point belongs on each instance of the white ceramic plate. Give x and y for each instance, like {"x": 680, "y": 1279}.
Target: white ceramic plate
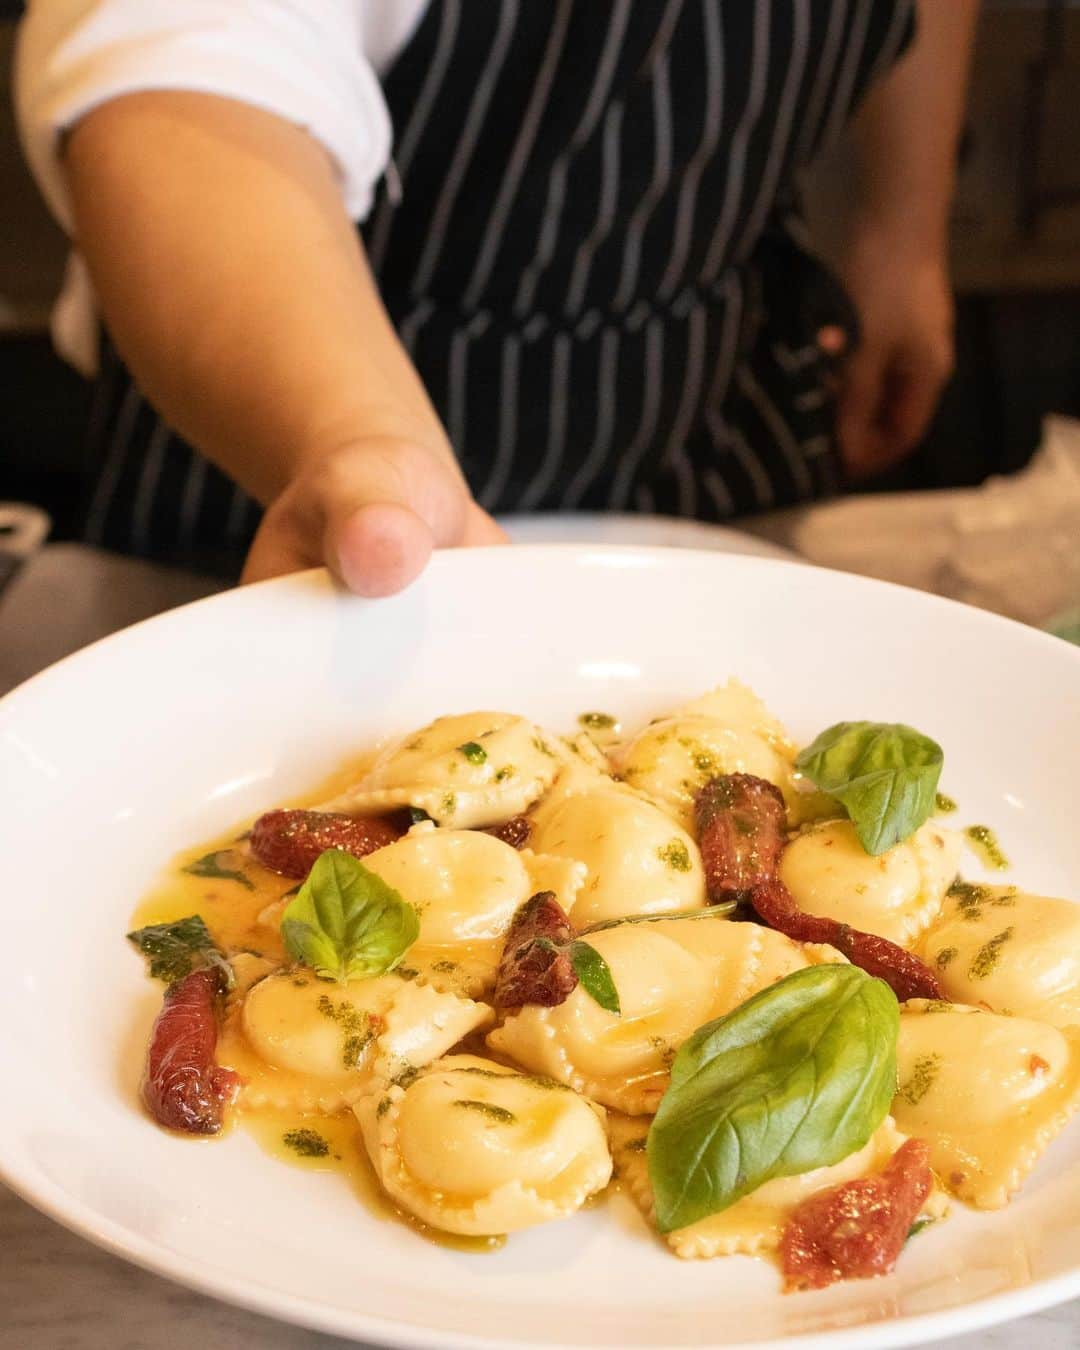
{"x": 606, "y": 527}
{"x": 170, "y": 732}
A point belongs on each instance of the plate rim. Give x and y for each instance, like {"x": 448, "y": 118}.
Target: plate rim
{"x": 36, "y": 1189}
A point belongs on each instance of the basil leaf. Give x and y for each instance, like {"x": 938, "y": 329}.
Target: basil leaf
{"x": 800, "y": 1076}
{"x": 209, "y": 866}
{"x": 346, "y": 923}
{"x": 884, "y": 774}
{"x": 594, "y": 976}
{"x": 174, "y": 950}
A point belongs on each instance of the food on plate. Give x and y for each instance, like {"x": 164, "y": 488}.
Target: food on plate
{"x": 474, "y": 1147}
{"x": 987, "y": 1093}
{"x": 1010, "y": 950}
{"x": 896, "y": 895}
{"x": 513, "y": 961}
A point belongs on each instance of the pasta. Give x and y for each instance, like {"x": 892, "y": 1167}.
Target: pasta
{"x": 673, "y": 975}
{"x": 466, "y": 887}
{"x": 1015, "y": 952}
{"x": 313, "y": 1045}
{"x": 499, "y": 1003}
{"x": 896, "y": 895}
{"x": 726, "y": 731}
{"x": 637, "y": 859}
{"x": 469, "y": 770}
{"x": 988, "y": 1093}
{"x": 474, "y": 1147}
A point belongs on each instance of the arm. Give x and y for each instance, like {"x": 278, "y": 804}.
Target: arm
{"x": 906, "y": 137}
{"x": 237, "y": 291}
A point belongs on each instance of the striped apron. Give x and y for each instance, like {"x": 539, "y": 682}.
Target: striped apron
{"x": 594, "y": 262}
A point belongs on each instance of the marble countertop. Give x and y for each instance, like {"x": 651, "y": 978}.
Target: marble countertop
{"x": 57, "y": 1291}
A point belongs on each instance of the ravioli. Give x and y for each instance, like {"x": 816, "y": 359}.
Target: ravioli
{"x": 755, "y": 1224}
{"x": 468, "y": 770}
{"x": 466, "y": 886}
{"x": 1015, "y": 952}
{"x": 672, "y": 975}
{"x": 896, "y": 895}
{"x": 987, "y": 1093}
{"x": 474, "y": 1147}
{"x": 316, "y": 1045}
{"x": 726, "y": 731}
{"x": 639, "y": 861}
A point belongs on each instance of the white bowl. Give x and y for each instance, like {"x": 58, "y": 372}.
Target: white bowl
{"x": 168, "y": 733}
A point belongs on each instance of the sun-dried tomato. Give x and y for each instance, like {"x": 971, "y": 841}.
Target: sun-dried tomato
{"x": 902, "y": 971}
{"x": 183, "y": 1087}
{"x": 859, "y": 1228}
{"x": 741, "y": 822}
{"x": 515, "y": 831}
{"x": 535, "y": 967}
{"x": 289, "y": 841}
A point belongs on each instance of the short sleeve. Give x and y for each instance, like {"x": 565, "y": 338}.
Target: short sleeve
{"x": 300, "y": 59}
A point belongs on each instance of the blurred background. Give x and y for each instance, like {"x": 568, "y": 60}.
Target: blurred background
{"x": 1016, "y": 266}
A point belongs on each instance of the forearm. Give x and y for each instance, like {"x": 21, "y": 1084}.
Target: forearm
{"x": 235, "y": 286}
{"x": 906, "y": 133}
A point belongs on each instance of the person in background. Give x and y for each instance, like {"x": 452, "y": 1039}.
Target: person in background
{"x": 374, "y": 270}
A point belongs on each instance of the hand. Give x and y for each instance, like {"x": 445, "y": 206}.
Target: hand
{"x": 890, "y": 386}
{"x": 372, "y": 511}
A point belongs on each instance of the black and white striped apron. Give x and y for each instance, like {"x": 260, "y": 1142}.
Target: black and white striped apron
{"x": 594, "y": 264}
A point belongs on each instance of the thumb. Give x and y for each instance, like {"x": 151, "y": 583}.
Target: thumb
{"x": 372, "y": 512}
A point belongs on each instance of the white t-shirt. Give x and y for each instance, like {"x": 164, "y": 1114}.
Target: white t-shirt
{"x": 315, "y": 63}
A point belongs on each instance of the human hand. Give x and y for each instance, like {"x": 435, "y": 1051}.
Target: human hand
{"x": 890, "y": 386}
{"x": 372, "y": 511}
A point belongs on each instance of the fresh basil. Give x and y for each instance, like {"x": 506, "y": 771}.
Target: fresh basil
{"x": 175, "y": 949}
{"x": 346, "y": 923}
{"x": 210, "y": 866}
{"x": 594, "y": 976}
{"x": 884, "y": 774}
{"x": 798, "y": 1077}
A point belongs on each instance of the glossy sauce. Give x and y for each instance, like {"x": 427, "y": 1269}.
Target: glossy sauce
{"x": 231, "y": 911}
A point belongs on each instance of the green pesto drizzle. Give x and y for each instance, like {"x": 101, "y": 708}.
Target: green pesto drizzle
{"x": 449, "y": 804}
{"x": 474, "y": 753}
{"x": 358, "y": 1034}
{"x": 507, "y": 771}
{"x": 945, "y": 956}
{"x": 597, "y": 721}
{"x": 308, "y": 1143}
{"x": 943, "y": 805}
{"x": 637, "y": 1145}
{"x": 498, "y": 1115}
{"x": 676, "y": 855}
{"x": 382, "y": 1108}
{"x": 922, "y": 1079}
{"x": 444, "y": 967}
{"x": 986, "y": 844}
{"x": 971, "y": 899}
{"x": 986, "y": 958}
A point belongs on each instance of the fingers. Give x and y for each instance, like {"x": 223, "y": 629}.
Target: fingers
{"x": 378, "y": 549}
{"x": 862, "y": 446}
{"x": 372, "y": 512}
{"x": 480, "y": 530}
{"x": 886, "y": 401}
